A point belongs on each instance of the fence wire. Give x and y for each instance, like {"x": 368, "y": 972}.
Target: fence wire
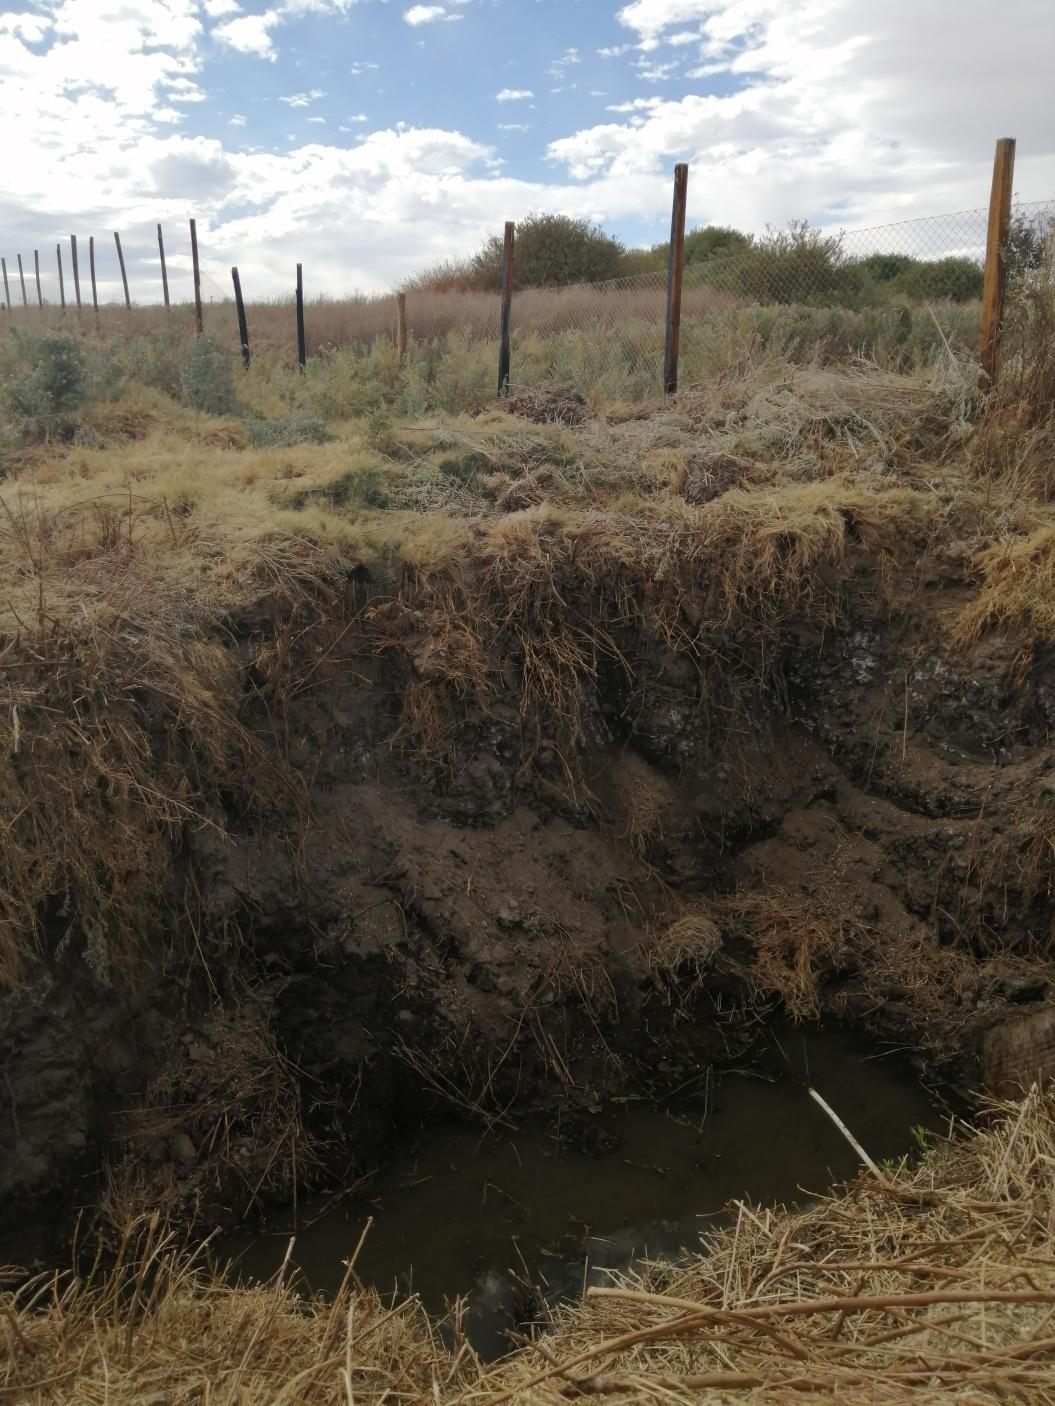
{"x": 893, "y": 292}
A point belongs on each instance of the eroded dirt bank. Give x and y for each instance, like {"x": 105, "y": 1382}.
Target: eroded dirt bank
{"x": 491, "y": 880}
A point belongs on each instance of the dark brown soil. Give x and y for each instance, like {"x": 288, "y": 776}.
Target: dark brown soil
{"x": 477, "y": 924}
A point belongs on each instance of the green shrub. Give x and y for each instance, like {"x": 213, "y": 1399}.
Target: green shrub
{"x": 206, "y": 378}
{"x": 884, "y": 268}
{"x": 551, "y": 252}
{"x": 46, "y": 385}
{"x": 955, "y": 278}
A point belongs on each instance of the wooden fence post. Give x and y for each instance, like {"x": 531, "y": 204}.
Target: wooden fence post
{"x": 62, "y": 281}
{"x": 40, "y": 291}
{"x": 675, "y": 275}
{"x": 508, "y": 246}
{"x": 243, "y": 330}
{"x": 124, "y": 276}
{"x": 7, "y": 291}
{"x": 401, "y": 326}
{"x": 91, "y": 269}
{"x": 76, "y": 273}
{"x": 302, "y": 358}
{"x": 164, "y": 268}
{"x": 199, "y": 325}
{"x": 22, "y": 280}
{"x": 995, "y": 284}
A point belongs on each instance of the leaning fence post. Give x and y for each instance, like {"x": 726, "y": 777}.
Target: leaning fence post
{"x": 76, "y": 273}
{"x": 124, "y": 276}
{"x": 22, "y": 280}
{"x": 508, "y": 246}
{"x": 164, "y": 269}
{"x": 7, "y": 291}
{"x": 36, "y": 270}
{"x": 301, "y": 348}
{"x": 675, "y": 275}
{"x": 243, "y": 330}
{"x": 62, "y": 281}
{"x": 401, "y": 326}
{"x": 995, "y": 283}
{"x": 91, "y": 270}
{"x": 198, "y": 323}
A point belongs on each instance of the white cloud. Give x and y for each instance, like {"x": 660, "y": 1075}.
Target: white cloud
{"x": 250, "y": 34}
{"x": 29, "y": 28}
{"x": 708, "y": 70}
{"x": 183, "y": 90}
{"x": 653, "y": 72}
{"x": 303, "y": 99}
{"x": 845, "y": 112}
{"x": 635, "y": 105}
{"x": 569, "y": 58}
{"x": 514, "y": 127}
{"x": 357, "y": 69}
{"x": 514, "y": 95}
{"x": 423, "y": 14}
{"x": 615, "y": 51}
{"x": 216, "y": 9}
{"x": 318, "y": 121}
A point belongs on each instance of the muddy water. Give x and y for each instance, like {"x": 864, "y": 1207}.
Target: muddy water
{"x": 457, "y": 1212}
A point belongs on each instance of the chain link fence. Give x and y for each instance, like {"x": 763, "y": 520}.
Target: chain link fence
{"x": 897, "y": 294}
{"x": 894, "y": 293}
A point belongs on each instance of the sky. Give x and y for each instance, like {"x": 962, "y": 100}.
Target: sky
{"x": 367, "y": 139}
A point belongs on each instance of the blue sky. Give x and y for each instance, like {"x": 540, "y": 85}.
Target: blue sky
{"x": 367, "y": 138}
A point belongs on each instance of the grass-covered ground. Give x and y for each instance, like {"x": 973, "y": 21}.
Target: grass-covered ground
{"x": 150, "y": 490}
{"x": 152, "y": 496}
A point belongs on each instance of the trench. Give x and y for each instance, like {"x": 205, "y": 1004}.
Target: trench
{"x": 515, "y": 1221}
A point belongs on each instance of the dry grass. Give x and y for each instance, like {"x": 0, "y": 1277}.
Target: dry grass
{"x": 795, "y": 947}
{"x": 431, "y": 315}
{"x": 488, "y": 544}
{"x": 230, "y": 1104}
{"x": 921, "y": 1285}
{"x": 681, "y": 956}
{"x": 160, "y": 1327}
{"x": 928, "y": 1286}
{"x": 1017, "y": 589}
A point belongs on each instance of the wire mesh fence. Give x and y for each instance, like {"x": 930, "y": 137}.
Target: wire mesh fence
{"x": 895, "y": 293}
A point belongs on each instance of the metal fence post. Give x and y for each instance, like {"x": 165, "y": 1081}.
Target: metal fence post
{"x": 164, "y": 268}
{"x": 675, "y": 276}
{"x": 995, "y": 285}
{"x": 401, "y": 326}
{"x": 76, "y": 274}
{"x": 62, "y": 281}
{"x": 22, "y": 280}
{"x": 243, "y": 330}
{"x": 124, "y": 275}
{"x": 36, "y": 270}
{"x": 7, "y": 291}
{"x": 199, "y": 325}
{"x": 95, "y": 286}
{"x": 302, "y": 357}
{"x": 507, "y": 307}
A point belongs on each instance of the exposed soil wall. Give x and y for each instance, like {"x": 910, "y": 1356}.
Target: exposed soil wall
{"x": 459, "y": 897}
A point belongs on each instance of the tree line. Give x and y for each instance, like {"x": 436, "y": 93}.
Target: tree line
{"x": 799, "y": 264}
